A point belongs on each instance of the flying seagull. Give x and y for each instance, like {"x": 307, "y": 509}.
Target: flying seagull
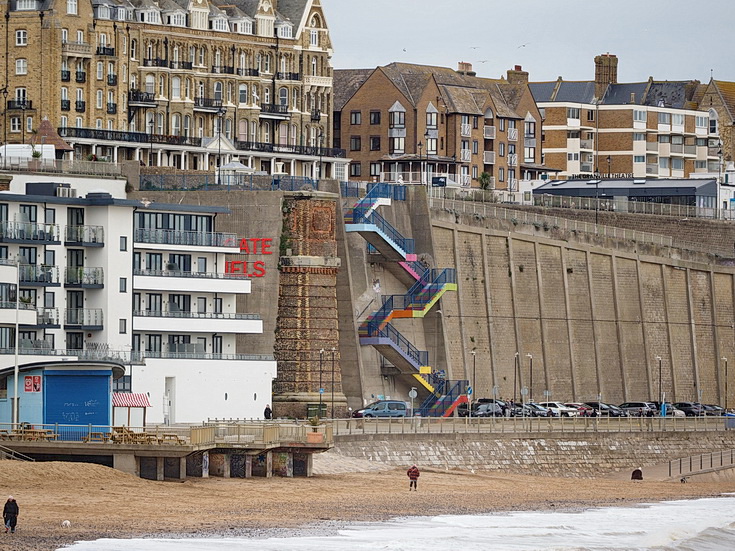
{"x": 474, "y": 47}
{"x": 524, "y": 45}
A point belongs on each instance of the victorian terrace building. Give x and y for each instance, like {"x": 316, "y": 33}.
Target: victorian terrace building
{"x": 187, "y": 84}
{"x": 410, "y": 123}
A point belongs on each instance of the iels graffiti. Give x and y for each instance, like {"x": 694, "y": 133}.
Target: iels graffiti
{"x": 248, "y": 268}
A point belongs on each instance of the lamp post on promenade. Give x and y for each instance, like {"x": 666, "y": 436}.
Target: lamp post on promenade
{"x": 321, "y": 357}
{"x": 530, "y": 368}
{"x": 474, "y": 381}
{"x": 333, "y": 351}
{"x": 725, "y": 360}
{"x": 220, "y": 114}
{"x": 660, "y": 371}
{"x": 421, "y": 171}
{"x": 515, "y": 377}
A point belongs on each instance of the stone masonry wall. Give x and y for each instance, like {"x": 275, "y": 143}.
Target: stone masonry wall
{"x": 535, "y": 454}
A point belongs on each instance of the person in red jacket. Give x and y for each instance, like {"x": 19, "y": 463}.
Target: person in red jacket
{"x": 413, "y": 477}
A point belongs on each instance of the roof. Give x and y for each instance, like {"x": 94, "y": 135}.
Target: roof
{"x": 47, "y": 134}
{"x": 727, "y": 92}
{"x": 585, "y": 187}
{"x": 117, "y": 368}
{"x": 345, "y": 82}
{"x": 130, "y": 400}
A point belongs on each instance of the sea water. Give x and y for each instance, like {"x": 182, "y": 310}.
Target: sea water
{"x": 696, "y": 525}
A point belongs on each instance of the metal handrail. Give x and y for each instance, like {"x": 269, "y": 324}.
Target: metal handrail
{"x": 194, "y": 315}
{"x": 367, "y": 216}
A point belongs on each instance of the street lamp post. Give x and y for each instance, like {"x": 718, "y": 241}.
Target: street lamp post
{"x": 220, "y": 114}
{"x": 725, "y": 360}
{"x": 597, "y": 198}
{"x": 660, "y": 391}
{"x": 609, "y": 161}
{"x": 421, "y": 171}
{"x": 321, "y": 153}
{"x": 530, "y": 368}
{"x": 16, "y": 370}
{"x": 321, "y": 357}
{"x": 474, "y": 379}
{"x": 150, "y": 140}
{"x": 425, "y": 172}
{"x": 333, "y": 416}
{"x": 515, "y": 377}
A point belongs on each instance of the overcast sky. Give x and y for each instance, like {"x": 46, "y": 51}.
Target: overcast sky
{"x": 666, "y": 39}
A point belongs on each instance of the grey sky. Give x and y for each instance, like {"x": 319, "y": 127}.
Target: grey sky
{"x": 666, "y": 39}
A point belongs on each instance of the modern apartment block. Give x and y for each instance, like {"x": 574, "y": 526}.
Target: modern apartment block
{"x": 654, "y": 129}
{"x": 174, "y": 83}
{"x": 410, "y": 123}
{"x": 104, "y": 277}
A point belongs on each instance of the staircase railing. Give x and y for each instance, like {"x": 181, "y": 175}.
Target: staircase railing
{"x": 418, "y": 357}
{"x": 436, "y": 405}
{"x": 361, "y": 215}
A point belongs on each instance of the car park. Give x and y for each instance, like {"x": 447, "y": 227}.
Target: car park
{"x": 583, "y": 409}
{"x": 560, "y": 410}
{"x": 532, "y": 409}
{"x": 690, "y": 409}
{"x": 383, "y": 408}
{"x": 606, "y": 410}
{"x": 639, "y": 409}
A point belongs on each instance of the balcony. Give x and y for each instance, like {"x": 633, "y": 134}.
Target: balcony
{"x": 29, "y": 232}
{"x": 89, "y": 319}
{"x": 489, "y": 132}
{"x": 512, "y": 134}
{"x": 223, "y": 70}
{"x": 112, "y": 80}
{"x": 317, "y": 81}
{"x": 314, "y": 151}
{"x": 65, "y": 105}
{"x": 512, "y": 159}
{"x": 22, "y": 104}
{"x": 465, "y": 130}
{"x": 316, "y": 115}
{"x": 652, "y": 169}
{"x": 586, "y": 144}
{"x": 155, "y": 62}
{"x": 84, "y": 236}
{"x": 288, "y": 76}
{"x": 105, "y": 50}
{"x": 489, "y": 157}
{"x": 48, "y": 318}
{"x": 677, "y": 148}
{"x": 32, "y": 275}
{"x": 248, "y": 72}
{"x": 207, "y": 104}
{"x": 190, "y": 282}
{"x": 82, "y": 277}
{"x": 187, "y": 238}
{"x": 465, "y": 155}
{"x": 65, "y": 76}
{"x": 80, "y": 76}
{"x": 181, "y": 65}
{"x": 76, "y": 49}
{"x": 26, "y": 313}
{"x": 96, "y": 134}
{"x": 138, "y": 98}
{"x": 111, "y": 108}
{"x": 196, "y": 322}
{"x": 274, "y": 110}
{"x": 80, "y": 106}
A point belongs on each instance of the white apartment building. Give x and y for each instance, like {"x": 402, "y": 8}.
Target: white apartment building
{"x": 102, "y": 277}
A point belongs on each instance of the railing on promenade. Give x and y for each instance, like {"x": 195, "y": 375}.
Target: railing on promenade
{"x": 510, "y": 425}
{"x": 704, "y": 462}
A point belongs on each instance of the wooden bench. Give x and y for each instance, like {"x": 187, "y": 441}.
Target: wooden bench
{"x": 169, "y": 438}
{"x": 97, "y": 437}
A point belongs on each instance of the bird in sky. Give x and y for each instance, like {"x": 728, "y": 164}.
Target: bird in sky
{"x": 483, "y": 61}
{"x": 404, "y": 49}
{"x": 474, "y": 47}
{"x": 524, "y": 45}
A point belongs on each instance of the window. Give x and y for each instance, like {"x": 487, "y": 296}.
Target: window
{"x": 501, "y": 174}
{"x": 530, "y": 129}
{"x": 398, "y": 120}
{"x": 677, "y": 163}
{"x": 123, "y": 326}
{"x": 374, "y": 117}
{"x": 71, "y": 7}
{"x": 355, "y": 117}
{"x": 431, "y": 120}
{"x": 123, "y": 243}
{"x": 355, "y": 169}
{"x": 202, "y": 305}
{"x": 501, "y": 125}
{"x": 590, "y": 115}
{"x": 529, "y": 154}
{"x": 664, "y": 118}
{"x": 663, "y": 162}
{"x": 123, "y": 284}
{"x": 175, "y": 88}
{"x": 678, "y": 119}
{"x": 639, "y": 116}
{"x": 700, "y": 121}
{"x": 133, "y": 49}
{"x": 475, "y": 147}
{"x": 21, "y": 38}
{"x": 355, "y": 143}
{"x": 572, "y": 134}
{"x": 15, "y": 124}
{"x": 501, "y": 149}
{"x": 100, "y": 97}
{"x": 21, "y": 66}
{"x": 639, "y": 159}
{"x": 474, "y": 172}
{"x": 374, "y": 143}
{"x": 639, "y": 137}
{"x": 397, "y": 145}
{"x": 80, "y": 37}
{"x": 314, "y": 38}
{"x": 572, "y": 156}
{"x": 664, "y": 139}
{"x": 25, "y": 5}
{"x": 572, "y": 112}
{"x": 374, "y": 169}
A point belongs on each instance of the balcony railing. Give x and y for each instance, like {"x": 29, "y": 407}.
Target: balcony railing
{"x": 105, "y": 50}
{"x": 465, "y": 130}
{"x": 181, "y": 65}
{"x": 314, "y": 151}
{"x": 76, "y": 48}
{"x": 586, "y": 144}
{"x": 512, "y": 159}
{"x": 489, "y": 157}
{"x": 202, "y": 356}
{"x": 489, "y": 132}
{"x": 316, "y": 115}
{"x": 111, "y": 108}
{"x": 190, "y": 238}
{"x": 20, "y": 104}
{"x": 121, "y": 136}
{"x": 223, "y": 69}
{"x": 28, "y": 347}
{"x": 138, "y": 97}
{"x": 89, "y": 318}
{"x": 23, "y": 232}
{"x": 207, "y": 103}
{"x": 80, "y": 106}
{"x": 81, "y": 76}
{"x": 11, "y": 304}
{"x": 194, "y": 315}
{"x": 112, "y": 80}
{"x": 83, "y": 276}
{"x": 32, "y": 274}
{"x": 512, "y": 134}
{"x": 274, "y": 108}
{"x": 65, "y": 76}
{"x": 47, "y": 317}
{"x": 465, "y": 155}
{"x": 155, "y": 62}
{"x": 84, "y": 235}
{"x": 248, "y": 72}
{"x": 179, "y": 273}
{"x": 288, "y": 76}
{"x": 65, "y": 105}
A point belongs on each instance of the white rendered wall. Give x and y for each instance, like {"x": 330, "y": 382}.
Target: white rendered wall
{"x": 206, "y": 388}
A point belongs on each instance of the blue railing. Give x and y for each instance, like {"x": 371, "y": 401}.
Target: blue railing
{"x": 349, "y": 189}
{"x": 373, "y": 324}
{"x": 417, "y": 357}
{"x": 426, "y": 293}
{"x": 387, "y": 191}
{"x": 360, "y": 215}
{"x": 446, "y": 393}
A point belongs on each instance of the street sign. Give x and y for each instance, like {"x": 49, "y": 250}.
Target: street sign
{"x": 412, "y": 393}
{"x": 469, "y": 391}
{"x": 321, "y": 391}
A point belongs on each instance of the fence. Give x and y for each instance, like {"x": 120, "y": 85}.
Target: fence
{"x": 94, "y": 168}
{"x": 227, "y": 181}
{"x": 703, "y": 462}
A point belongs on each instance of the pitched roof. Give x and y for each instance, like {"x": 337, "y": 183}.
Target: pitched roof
{"x": 727, "y": 91}
{"x": 130, "y": 400}
{"x": 293, "y": 10}
{"x": 345, "y": 82}
{"x": 622, "y": 94}
{"x": 47, "y": 134}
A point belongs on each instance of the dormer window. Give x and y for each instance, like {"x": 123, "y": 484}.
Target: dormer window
{"x": 285, "y": 31}
{"x": 103, "y": 12}
{"x": 177, "y": 20}
{"x": 247, "y": 27}
{"x": 220, "y": 24}
{"x": 25, "y": 5}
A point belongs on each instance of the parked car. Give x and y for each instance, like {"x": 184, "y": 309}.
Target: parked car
{"x": 714, "y": 409}
{"x": 488, "y": 410}
{"x": 583, "y": 409}
{"x": 639, "y": 409}
{"x": 690, "y": 409}
{"x": 383, "y": 408}
{"x": 560, "y": 410}
{"x": 532, "y": 409}
{"x": 617, "y": 411}
{"x": 606, "y": 410}
{"x": 506, "y": 407}
{"x": 672, "y": 411}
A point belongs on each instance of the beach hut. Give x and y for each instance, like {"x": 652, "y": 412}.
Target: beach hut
{"x": 129, "y": 408}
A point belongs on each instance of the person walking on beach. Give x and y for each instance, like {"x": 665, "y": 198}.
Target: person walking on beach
{"x": 10, "y": 514}
{"x": 268, "y": 413}
{"x": 413, "y": 478}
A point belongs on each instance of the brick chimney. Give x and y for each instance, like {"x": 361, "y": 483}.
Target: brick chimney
{"x": 464, "y": 68}
{"x": 517, "y": 75}
{"x": 606, "y": 72}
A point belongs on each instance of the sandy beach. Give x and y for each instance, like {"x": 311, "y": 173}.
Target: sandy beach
{"x": 101, "y": 502}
